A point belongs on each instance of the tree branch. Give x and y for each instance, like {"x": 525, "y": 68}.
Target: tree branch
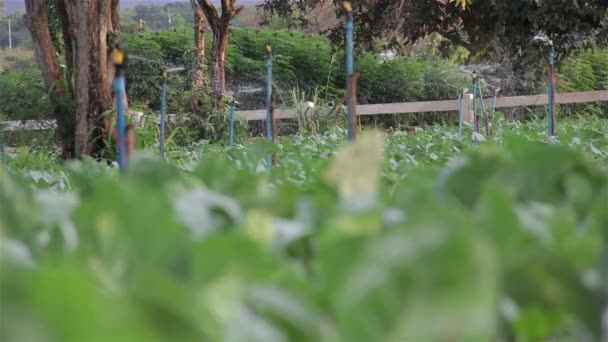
{"x": 210, "y": 12}
{"x": 226, "y": 7}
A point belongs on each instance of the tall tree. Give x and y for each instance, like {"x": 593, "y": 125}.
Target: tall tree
{"x": 198, "y": 64}
{"x": 86, "y": 28}
{"x": 37, "y": 21}
{"x": 220, "y": 26}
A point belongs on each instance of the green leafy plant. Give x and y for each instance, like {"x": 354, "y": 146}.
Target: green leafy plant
{"x": 381, "y": 239}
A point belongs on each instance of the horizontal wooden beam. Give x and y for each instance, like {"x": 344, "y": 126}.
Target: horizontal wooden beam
{"x": 260, "y": 114}
{"x": 443, "y": 106}
{"x": 539, "y": 100}
{"x": 377, "y": 109}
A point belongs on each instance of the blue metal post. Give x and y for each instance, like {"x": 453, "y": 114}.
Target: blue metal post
{"x": 232, "y": 115}
{"x": 551, "y": 119}
{"x": 460, "y": 114}
{"x": 119, "y": 87}
{"x": 163, "y": 111}
{"x": 475, "y": 128}
{"x": 269, "y": 101}
{"x": 350, "y": 69}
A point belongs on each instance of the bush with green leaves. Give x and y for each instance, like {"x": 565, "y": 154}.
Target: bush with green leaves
{"x": 407, "y": 79}
{"x": 144, "y": 72}
{"x": 23, "y": 95}
{"x": 584, "y": 71}
{"x": 302, "y": 59}
{"x": 310, "y": 61}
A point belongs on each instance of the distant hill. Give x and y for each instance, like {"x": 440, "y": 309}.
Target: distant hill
{"x": 11, "y": 6}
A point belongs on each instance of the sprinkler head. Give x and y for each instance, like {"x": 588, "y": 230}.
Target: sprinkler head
{"x": 119, "y": 56}
{"x": 542, "y": 39}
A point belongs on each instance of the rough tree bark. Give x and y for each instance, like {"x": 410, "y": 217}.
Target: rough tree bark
{"x": 198, "y": 64}
{"x": 90, "y": 22}
{"x": 86, "y": 26}
{"x": 198, "y": 79}
{"x": 220, "y": 26}
{"x": 37, "y": 21}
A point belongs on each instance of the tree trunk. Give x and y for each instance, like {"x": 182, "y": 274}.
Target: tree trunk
{"x": 115, "y": 15}
{"x": 68, "y": 39}
{"x": 37, "y": 22}
{"x": 78, "y": 107}
{"x": 198, "y": 78}
{"x": 220, "y": 25}
{"x": 93, "y": 21}
{"x": 198, "y": 63}
{"x": 218, "y": 63}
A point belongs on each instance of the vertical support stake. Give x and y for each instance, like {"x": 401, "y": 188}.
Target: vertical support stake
{"x": 551, "y": 117}
{"x": 10, "y": 35}
{"x": 273, "y": 121}
{"x": 269, "y": 115}
{"x": 475, "y": 116}
{"x": 460, "y": 109}
{"x": 232, "y": 118}
{"x": 494, "y": 101}
{"x": 163, "y": 117}
{"x": 350, "y": 69}
{"x": 353, "y": 108}
{"x": 119, "y": 89}
{"x": 483, "y": 109}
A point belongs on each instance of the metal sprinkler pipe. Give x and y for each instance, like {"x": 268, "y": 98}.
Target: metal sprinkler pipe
{"x": 475, "y": 116}
{"x": 350, "y": 69}
{"x": 551, "y": 118}
{"x": 460, "y": 110}
{"x": 269, "y": 100}
{"x": 119, "y": 89}
{"x": 543, "y": 40}
{"x": 486, "y": 119}
{"x": 163, "y": 109}
{"x": 232, "y": 119}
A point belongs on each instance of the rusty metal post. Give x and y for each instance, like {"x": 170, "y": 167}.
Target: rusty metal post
{"x": 551, "y": 91}
{"x": 350, "y": 69}
{"x": 274, "y": 128}
{"x": 353, "y": 106}
{"x": 269, "y": 99}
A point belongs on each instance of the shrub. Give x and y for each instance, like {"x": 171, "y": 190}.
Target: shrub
{"x": 22, "y": 94}
{"x": 584, "y": 70}
{"x": 144, "y": 70}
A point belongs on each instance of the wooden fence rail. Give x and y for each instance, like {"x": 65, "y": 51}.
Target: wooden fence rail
{"x": 386, "y": 108}
{"x": 445, "y": 105}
